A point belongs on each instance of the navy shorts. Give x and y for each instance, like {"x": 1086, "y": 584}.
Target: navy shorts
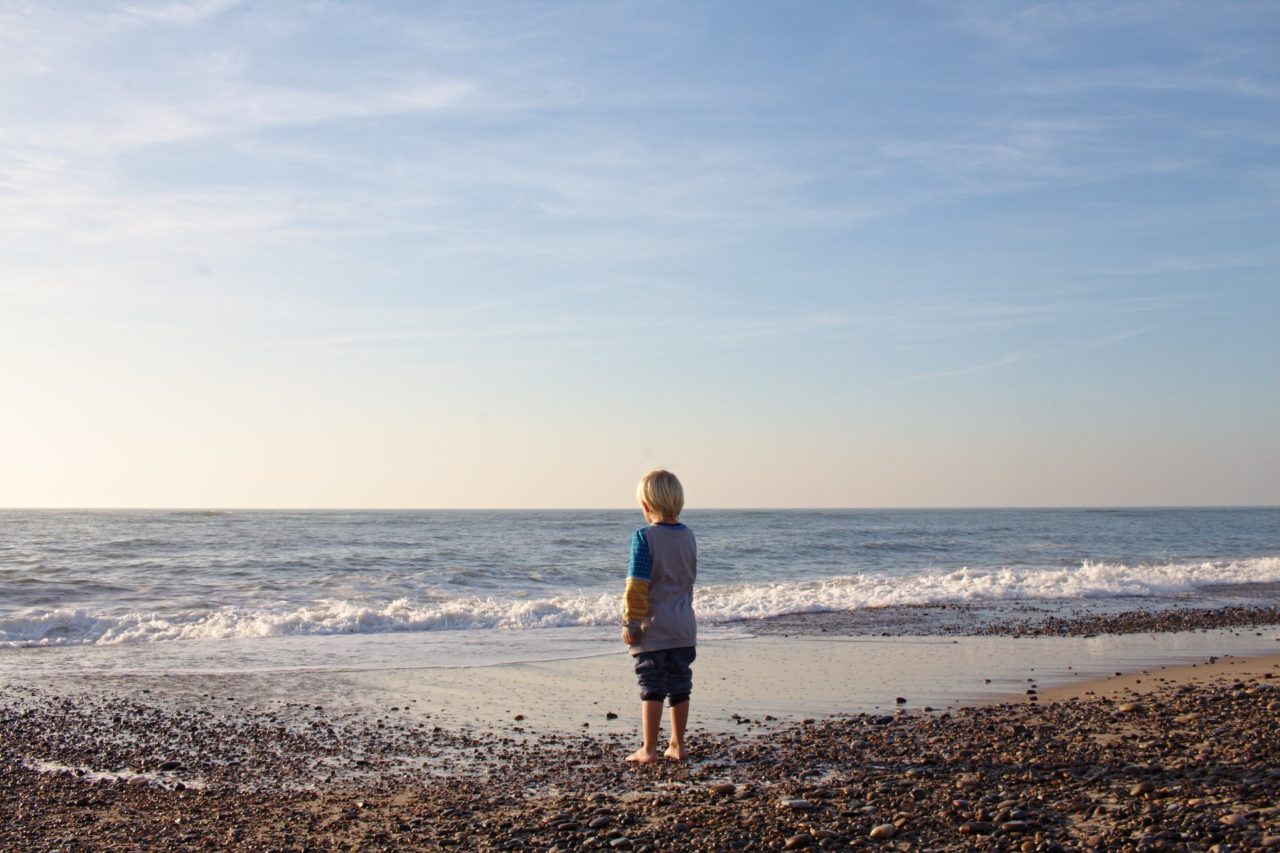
{"x": 665, "y": 674}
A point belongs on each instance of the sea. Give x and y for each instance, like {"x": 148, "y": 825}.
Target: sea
{"x": 224, "y": 591}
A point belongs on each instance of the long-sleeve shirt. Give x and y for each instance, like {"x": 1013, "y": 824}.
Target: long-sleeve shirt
{"x": 659, "y": 594}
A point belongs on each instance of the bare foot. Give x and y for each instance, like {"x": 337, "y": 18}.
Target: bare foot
{"x": 643, "y": 756}
{"x": 676, "y": 752}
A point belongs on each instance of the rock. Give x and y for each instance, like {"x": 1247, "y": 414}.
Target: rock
{"x": 968, "y": 780}
{"x": 169, "y": 766}
{"x": 976, "y": 827}
{"x": 799, "y": 841}
{"x": 1129, "y": 708}
{"x": 797, "y": 804}
{"x": 610, "y": 716}
{"x": 1013, "y": 826}
{"x": 724, "y": 788}
{"x": 884, "y": 830}
{"x": 519, "y": 717}
{"x": 1235, "y": 820}
{"x": 596, "y": 823}
{"x": 1142, "y": 788}
{"x": 901, "y": 700}
{"x": 621, "y": 843}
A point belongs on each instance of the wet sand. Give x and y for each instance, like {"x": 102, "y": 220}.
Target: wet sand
{"x": 1167, "y": 756}
{"x": 1155, "y": 677}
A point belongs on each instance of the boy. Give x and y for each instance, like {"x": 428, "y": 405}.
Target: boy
{"x": 657, "y": 614}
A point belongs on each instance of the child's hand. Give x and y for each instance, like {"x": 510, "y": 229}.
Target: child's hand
{"x": 630, "y": 637}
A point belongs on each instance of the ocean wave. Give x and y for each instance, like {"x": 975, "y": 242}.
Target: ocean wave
{"x": 1088, "y": 580}
{"x": 715, "y": 604}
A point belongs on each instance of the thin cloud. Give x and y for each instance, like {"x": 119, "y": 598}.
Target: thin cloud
{"x": 189, "y": 13}
{"x": 1029, "y": 355}
{"x": 985, "y": 367}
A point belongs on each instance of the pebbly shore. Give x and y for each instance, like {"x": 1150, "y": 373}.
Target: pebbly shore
{"x": 1166, "y": 765}
{"x": 1015, "y": 620}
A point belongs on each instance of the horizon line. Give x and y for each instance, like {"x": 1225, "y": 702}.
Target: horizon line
{"x": 832, "y": 508}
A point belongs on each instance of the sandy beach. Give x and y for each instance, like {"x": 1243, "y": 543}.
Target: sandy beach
{"x": 1173, "y": 752}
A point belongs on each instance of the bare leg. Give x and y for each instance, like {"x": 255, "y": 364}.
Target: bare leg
{"x": 679, "y": 719}
{"x": 650, "y": 722}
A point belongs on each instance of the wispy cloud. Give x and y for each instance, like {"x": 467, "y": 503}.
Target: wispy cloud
{"x": 985, "y": 367}
{"x": 193, "y": 12}
{"x": 1030, "y": 355}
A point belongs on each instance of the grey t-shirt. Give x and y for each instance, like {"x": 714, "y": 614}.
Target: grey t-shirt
{"x": 672, "y": 554}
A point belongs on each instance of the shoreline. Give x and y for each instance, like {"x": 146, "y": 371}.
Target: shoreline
{"x": 1142, "y": 682}
{"x": 462, "y": 759}
{"x": 739, "y": 684}
{"x": 1181, "y": 764}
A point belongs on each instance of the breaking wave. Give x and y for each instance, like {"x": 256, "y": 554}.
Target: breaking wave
{"x": 715, "y": 604}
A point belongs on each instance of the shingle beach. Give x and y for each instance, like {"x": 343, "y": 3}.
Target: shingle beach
{"x": 1170, "y": 758}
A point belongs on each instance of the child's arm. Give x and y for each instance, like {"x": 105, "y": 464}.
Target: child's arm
{"x": 635, "y": 602}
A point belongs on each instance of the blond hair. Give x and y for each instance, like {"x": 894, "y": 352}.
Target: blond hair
{"x": 661, "y": 491}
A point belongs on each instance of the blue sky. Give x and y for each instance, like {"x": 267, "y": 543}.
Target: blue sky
{"x": 513, "y": 254}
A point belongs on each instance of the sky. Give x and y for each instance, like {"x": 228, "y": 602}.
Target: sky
{"x": 477, "y": 254}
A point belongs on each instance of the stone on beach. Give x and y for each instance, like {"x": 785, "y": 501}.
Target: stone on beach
{"x": 1190, "y": 772}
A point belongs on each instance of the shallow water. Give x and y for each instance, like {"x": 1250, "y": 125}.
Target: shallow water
{"x": 737, "y": 682}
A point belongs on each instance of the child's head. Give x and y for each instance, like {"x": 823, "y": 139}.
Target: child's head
{"x": 661, "y": 494}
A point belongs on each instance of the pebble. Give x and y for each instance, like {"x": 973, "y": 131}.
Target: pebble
{"x": 724, "y": 788}
{"x": 884, "y": 830}
{"x": 799, "y": 841}
{"x": 1047, "y": 781}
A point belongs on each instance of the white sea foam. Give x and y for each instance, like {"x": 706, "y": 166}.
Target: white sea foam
{"x": 715, "y": 604}
{"x": 1089, "y": 580}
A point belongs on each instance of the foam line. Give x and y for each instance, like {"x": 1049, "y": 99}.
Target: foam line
{"x": 715, "y": 604}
